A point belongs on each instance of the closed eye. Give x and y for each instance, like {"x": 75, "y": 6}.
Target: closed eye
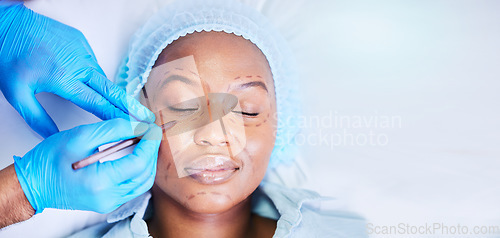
{"x": 182, "y": 109}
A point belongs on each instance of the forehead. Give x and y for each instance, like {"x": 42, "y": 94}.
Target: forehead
{"x": 219, "y": 57}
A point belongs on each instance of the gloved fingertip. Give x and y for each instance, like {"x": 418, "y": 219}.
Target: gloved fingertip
{"x": 121, "y": 114}
{"x": 35, "y": 115}
{"x": 151, "y": 118}
{"x": 140, "y": 128}
{"x": 47, "y": 131}
{"x": 155, "y": 133}
{"x": 142, "y": 113}
{"x": 41, "y": 123}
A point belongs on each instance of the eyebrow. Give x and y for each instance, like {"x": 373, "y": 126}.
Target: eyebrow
{"x": 175, "y": 77}
{"x": 252, "y": 84}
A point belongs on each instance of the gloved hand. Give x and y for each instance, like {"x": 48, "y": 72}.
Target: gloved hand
{"x": 48, "y": 180}
{"x": 38, "y": 54}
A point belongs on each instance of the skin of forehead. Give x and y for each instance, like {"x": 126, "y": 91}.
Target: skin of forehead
{"x": 240, "y": 57}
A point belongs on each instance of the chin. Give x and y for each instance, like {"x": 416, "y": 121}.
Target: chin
{"x": 209, "y": 204}
{"x": 212, "y": 199}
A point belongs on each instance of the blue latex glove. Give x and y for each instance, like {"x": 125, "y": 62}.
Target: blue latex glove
{"x": 38, "y": 54}
{"x": 48, "y": 180}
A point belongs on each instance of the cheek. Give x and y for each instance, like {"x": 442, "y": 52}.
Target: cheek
{"x": 172, "y": 150}
{"x": 168, "y": 180}
{"x": 259, "y": 146}
{"x": 261, "y": 135}
{"x": 166, "y": 165}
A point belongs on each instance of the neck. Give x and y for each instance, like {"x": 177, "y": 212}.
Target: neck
{"x": 172, "y": 220}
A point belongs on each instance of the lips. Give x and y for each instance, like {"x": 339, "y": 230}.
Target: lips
{"x": 212, "y": 169}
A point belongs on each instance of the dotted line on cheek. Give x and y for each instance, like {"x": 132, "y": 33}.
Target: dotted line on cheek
{"x": 190, "y": 71}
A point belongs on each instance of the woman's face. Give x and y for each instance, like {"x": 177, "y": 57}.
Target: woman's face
{"x": 219, "y": 89}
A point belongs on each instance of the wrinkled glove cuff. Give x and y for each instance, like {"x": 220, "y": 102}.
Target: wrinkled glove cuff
{"x": 28, "y": 192}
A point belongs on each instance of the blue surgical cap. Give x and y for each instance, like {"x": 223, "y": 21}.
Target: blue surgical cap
{"x": 185, "y": 17}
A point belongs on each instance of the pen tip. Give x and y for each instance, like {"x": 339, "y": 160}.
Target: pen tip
{"x": 168, "y": 125}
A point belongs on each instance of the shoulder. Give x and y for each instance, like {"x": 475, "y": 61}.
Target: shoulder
{"x": 126, "y": 221}
{"x": 117, "y": 229}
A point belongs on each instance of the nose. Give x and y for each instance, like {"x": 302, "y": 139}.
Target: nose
{"x": 212, "y": 134}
